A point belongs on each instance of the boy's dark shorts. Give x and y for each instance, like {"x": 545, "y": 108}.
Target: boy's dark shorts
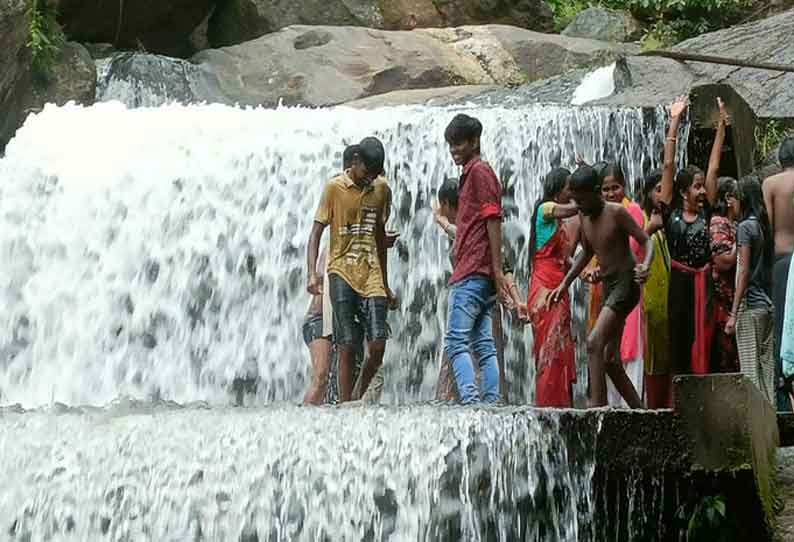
{"x": 621, "y": 292}
{"x": 313, "y": 328}
{"x": 350, "y": 308}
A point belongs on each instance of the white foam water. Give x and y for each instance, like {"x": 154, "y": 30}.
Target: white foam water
{"x": 151, "y": 252}
{"x": 599, "y": 83}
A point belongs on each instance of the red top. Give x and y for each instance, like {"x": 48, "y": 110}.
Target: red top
{"x": 479, "y": 200}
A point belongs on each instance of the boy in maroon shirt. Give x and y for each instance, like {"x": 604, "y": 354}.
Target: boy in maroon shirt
{"x": 477, "y": 275}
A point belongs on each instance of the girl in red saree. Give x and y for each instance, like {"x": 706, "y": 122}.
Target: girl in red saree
{"x": 551, "y": 243}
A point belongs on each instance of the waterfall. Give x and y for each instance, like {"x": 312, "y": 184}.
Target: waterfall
{"x": 153, "y": 252}
{"x": 295, "y": 474}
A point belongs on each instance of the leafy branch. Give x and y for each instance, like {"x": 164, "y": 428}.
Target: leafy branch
{"x": 45, "y": 37}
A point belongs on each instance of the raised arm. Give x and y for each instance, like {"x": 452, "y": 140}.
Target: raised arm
{"x": 668, "y": 168}
{"x": 713, "y": 170}
{"x": 565, "y": 210}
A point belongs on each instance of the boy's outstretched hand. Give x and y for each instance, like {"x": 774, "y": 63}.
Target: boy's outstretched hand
{"x": 641, "y": 273}
{"x": 556, "y": 295}
{"x": 394, "y": 303}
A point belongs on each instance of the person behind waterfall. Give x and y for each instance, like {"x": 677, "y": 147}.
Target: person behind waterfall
{"x": 779, "y": 201}
{"x": 752, "y": 313}
{"x": 551, "y": 245}
{"x": 686, "y": 203}
{"x": 658, "y": 380}
{"x": 605, "y": 231}
{"x": 317, "y": 334}
{"x": 356, "y": 206}
{"x": 722, "y": 230}
{"x": 477, "y": 277}
{"x": 445, "y": 214}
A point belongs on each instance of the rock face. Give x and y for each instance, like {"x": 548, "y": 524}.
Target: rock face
{"x": 331, "y": 65}
{"x": 604, "y": 24}
{"x": 649, "y": 80}
{"x": 162, "y": 26}
{"x": 769, "y": 93}
{"x": 236, "y": 21}
{"x": 14, "y": 65}
{"x": 74, "y": 79}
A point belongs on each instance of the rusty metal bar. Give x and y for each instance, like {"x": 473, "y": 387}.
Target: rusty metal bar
{"x": 709, "y": 59}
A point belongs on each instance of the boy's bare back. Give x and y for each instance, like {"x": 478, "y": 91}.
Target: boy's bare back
{"x": 778, "y": 196}
{"x": 608, "y": 238}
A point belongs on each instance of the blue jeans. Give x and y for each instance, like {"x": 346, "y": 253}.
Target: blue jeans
{"x": 469, "y": 326}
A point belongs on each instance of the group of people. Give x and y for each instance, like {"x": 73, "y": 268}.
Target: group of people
{"x": 680, "y": 281}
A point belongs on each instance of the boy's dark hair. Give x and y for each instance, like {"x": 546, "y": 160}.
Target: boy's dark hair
{"x": 726, "y": 186}
{"x": 448, "y": 192}
{"x": 683, "y": 180}
{"x": 585, "y": 179}
{"x": 462, "y": 128}
{"x": 751, "y": 201}
{"x": 347, "y": 156}
{"x": 372, "y": 154}
{"x": 786, "y": 152}
{"x": 648, "y": 186}
{"x": 611, "y": 169}
{"x": 553, "y": 184}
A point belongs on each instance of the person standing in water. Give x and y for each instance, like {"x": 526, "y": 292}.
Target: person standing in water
{"x": 477, "y": 277}
{"x": 658, "y": 378}
{"x": 445, "y": 214}
{"x": 605, "y": 231}
{"x": 632, "y": 344}
{"x": 779, "y": 200}
{"x": 551, "y": 245}
{"x": 686, "y": 202}
{"x": 724, "y": 356}
{"x": 752, "y": 314}
{"x": 356, "y": 205}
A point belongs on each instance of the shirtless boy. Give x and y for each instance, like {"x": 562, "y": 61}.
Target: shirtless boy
{"x": 605, "y": 231}
{"x": 778, "y": 197}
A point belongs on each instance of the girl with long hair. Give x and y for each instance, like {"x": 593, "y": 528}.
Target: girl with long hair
{"x": 724, "y": 357}
{"x": 551, "y": 245}
{"x": 751, "y": 316}
{"x": 658, "y": 370}
{"x": 687, "y": 199}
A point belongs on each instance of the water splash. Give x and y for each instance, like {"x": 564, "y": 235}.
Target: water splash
{"x": 152, "y": 252}
{"x": 287, "y": 473}
{"x": 597, "y": 84}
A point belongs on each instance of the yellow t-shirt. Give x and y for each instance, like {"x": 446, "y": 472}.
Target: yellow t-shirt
{"x": 354, "y": 213}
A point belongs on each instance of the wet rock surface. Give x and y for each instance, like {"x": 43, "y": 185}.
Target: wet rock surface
{"x": 14, "y": 66}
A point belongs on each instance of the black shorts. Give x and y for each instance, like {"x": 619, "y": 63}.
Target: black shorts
{"x": 621, "y": 292}
{"x": 351, "y": 310}
{"x": 313, "y": 328}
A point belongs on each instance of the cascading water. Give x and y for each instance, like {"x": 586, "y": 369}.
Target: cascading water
{"x": 294, "y": 474}
{"x": 152, "y": 252}
{"x": 155, "y": 253}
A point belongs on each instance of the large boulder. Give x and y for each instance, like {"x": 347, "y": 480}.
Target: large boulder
{"x": 236, "y": 21}
{"x": 331, "y": 65}
{"x": 14, "y": 65}
{"x": 74, "y": 79}
{"x": 604, "y": 24}
{"x": 649, "y": 80}
{"x": 162, "y": 26}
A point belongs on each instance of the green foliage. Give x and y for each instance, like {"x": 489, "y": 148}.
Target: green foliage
{"x": 668, "y": 21}
{"x": 45, "y": 37}
{"x": 767, "y": 138}
{"x": 704, "y": 520}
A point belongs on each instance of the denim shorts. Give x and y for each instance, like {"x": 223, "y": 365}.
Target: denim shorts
{"x": 313, "y": 328}
{"x": 352, "y": 310}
